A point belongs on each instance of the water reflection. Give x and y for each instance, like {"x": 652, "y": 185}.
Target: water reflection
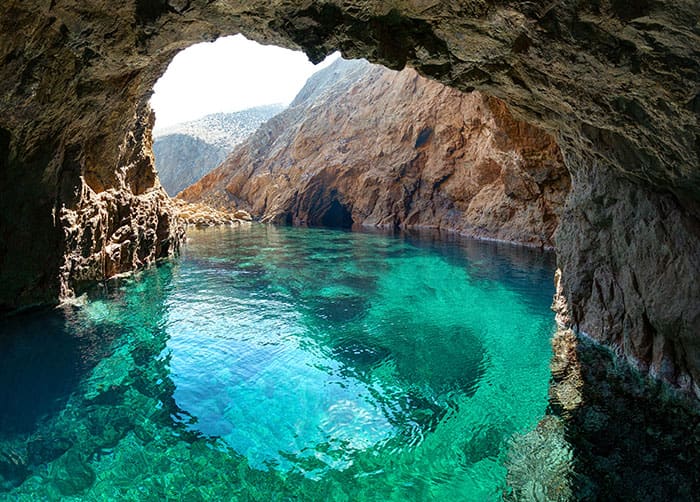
{"x": 43, "y": 358}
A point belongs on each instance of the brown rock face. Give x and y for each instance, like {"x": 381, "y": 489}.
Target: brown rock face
{"x": 616, "y": 83}
{"x": 367, "y": 146}
{"x": 118, "y": 229}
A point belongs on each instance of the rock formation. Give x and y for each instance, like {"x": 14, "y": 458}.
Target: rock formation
{"x": 186, "y": 152}
{"x": 201, "y": 215}
{"x": 182, "y": 159}
{"x": 616, "y": 82}
{"x": 365, "y": 146}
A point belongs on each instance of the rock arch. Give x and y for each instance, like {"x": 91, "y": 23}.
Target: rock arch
{"x": 617, "y": 84}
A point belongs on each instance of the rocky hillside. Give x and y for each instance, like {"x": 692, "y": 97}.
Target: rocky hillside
{"x": 181, "y": 160}
{"x": 186, "y": 152}
{"x": 362, "y": 145}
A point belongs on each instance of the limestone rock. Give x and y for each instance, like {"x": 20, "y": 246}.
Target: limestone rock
{"x": 616, "y": 83}
{"x": 366, "y": 146}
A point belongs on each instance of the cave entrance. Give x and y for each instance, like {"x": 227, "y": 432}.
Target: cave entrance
{"x": 337, "y": 216}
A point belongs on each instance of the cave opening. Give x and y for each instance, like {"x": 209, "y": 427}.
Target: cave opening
{"x": 406, "y": 167}
{"x": 621, "y": 105}
{"x": 337, "y": 216}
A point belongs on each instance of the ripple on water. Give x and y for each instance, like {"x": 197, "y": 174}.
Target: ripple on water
{"x": 291, "y": 363}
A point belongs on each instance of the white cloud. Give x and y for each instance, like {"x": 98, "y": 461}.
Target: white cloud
{"x": 228, "y": 75}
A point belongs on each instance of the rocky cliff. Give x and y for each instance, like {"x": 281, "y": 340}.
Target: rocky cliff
{"x": 186, "y": 152}
{"x": 362, "y": 145}
{"x": 616, "y": 82}
{"x": 182, "y": 159}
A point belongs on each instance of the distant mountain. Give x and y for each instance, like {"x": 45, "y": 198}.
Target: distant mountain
{"x": 186, "y": 152}
{"x": 362, "y": 145}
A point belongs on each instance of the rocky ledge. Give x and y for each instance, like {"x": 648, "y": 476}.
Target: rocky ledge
{"x": 201, "y": 215}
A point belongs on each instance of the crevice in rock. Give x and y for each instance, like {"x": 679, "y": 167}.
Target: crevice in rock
{"x": 336, "y": 216}
{"x": 5, "y": 139}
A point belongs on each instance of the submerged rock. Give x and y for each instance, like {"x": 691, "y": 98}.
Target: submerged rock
{"x": 72, "y": 474}
{"x": 540, "y": 464}
{"x": 13, "y": 470}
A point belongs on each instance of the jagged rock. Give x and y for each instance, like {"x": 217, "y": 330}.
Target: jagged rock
{"x": 201, "y": 215}
{"x": 616, "y": 83}
{"x": 366, "y": 146}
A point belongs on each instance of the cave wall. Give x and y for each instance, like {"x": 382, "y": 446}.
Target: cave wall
{"x": 615, "y": 81}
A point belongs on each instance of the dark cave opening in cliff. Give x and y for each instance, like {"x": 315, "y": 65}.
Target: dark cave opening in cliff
{"x": 337, "y": 216}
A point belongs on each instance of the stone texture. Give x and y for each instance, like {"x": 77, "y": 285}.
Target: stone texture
{"x": 118, "y": 230}
{"x": 366, "y": 146}
{"x": 185, "y": 152}
{"x": 616, "y": 82}
{"x": 201, "y": 215}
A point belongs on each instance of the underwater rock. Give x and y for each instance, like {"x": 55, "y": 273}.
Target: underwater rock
{"x": 13, "y": 470}
{"x": 633, "y": 438}
{"x": 42, "y": 450}
{"x": 71, "y": 474}
{"x": 540, "y": 463}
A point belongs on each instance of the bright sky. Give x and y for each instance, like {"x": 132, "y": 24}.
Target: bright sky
{"x": 228, "y": 75}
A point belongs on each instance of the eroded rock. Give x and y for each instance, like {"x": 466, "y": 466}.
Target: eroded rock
{"x": 616, "y": 82}
{"x": 201, "y": 215}
{"x": 366, "y": 146}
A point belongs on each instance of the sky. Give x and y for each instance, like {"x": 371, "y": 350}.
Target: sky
{"x": 230, "y": 74}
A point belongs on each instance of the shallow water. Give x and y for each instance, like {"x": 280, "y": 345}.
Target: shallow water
{"x": 279, "y": 363}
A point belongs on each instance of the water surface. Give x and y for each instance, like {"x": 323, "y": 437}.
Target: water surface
{"x": 279, "y": 363}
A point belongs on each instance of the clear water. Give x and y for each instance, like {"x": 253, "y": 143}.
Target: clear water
{"x": 280, "y": 363}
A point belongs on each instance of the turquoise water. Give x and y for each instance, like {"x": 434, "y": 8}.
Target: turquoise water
{"x": 283, "y": 364}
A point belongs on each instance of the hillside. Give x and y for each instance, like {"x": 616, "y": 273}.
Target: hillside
{"x": 186, "y": 152}
{"x": 362, "y": 145}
